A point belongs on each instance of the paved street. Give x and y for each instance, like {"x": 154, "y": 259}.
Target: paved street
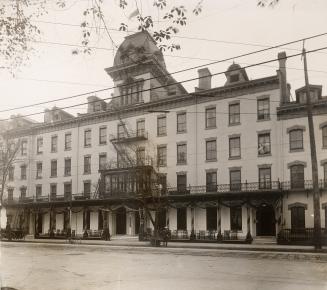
{"x": 44, "y": 266}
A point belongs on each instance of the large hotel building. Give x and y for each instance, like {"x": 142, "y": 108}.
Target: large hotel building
{"x": 232, "y": 160}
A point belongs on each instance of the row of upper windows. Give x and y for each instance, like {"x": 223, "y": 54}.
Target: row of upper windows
{"x": 263, "y": 147}
{"x": 295, "y": 135}
{"x": 234, "y": 118}
{"x": 54, "y": 167}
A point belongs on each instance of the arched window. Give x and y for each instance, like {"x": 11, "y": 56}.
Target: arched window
{"x": 297, "y": 176}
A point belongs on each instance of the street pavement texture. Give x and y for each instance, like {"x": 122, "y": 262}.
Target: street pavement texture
{"x": 35, "y": 266}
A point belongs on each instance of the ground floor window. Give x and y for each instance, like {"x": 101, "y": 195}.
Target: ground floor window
{"x": 181, "y": 218}
{"x": 298, "y": 217}
{"x": 211, "y": 218}
{"x": 236, "y": 218}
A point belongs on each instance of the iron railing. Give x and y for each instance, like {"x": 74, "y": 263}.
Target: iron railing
{"x": 130, "y": 137}
{"x": 300, "y": 236}
{"x": 247, "y": 187}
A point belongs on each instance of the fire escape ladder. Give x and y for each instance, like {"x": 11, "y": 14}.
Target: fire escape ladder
{"x": 96, "y": 192}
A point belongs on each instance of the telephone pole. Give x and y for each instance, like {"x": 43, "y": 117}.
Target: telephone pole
{"x": 314, "y": 163}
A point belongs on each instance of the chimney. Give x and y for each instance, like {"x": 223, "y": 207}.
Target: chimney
{"x": 204, "y": 79}
{"x": 283, "y": 86}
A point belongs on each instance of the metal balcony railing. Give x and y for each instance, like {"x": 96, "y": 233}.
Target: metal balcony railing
{"x": 255, "y": 187}
{"x": 130, "y": 137}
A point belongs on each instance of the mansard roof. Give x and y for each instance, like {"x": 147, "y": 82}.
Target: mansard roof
{"x": 137, "y": 46}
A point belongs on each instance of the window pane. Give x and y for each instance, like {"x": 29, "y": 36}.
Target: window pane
{"x": 162, "y": 156}
{"x": 87, "y": 138}
{"x": 264, "y": 146}
{"x": 68, "y": 163}
{"x": 235, "y": 180}
{"x": 161, "y": 126}
{"x": 234, "y": 114}
{"x": 263, "y": 109}
{"x": 211, "y": 150}
{"x": 103, "y": 135}
{"x": 211, "y": 181}
{"x": 264, "y": 178}
{"x": 297, "y": 176}
{"x": 54, "y": 144}
{"x": 235, "y": 147}
{"x": 68, "y": 141}
{"x": 181, "y": 182}
{"x": 140, "y": 130}
{"x": 210, "y": 117}
{"x": 181, "y": 122}
{"x": 296, "y": 139}
{"x": 181, "y": 153}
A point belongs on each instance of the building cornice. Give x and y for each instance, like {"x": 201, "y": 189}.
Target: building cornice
{"x": 295, "y": 110}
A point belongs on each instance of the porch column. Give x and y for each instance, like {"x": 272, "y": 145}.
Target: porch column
{"x": 219, "y": 235}
{"x": 248, "y": 224}
{"x": 192, "y": 236}
{"x": 36, "y": 224}
{"x": 69, "y": 222}
{"x": 167, "y": 217}
{"x": 142, "y": 224}
{"x": 51, "y": 223}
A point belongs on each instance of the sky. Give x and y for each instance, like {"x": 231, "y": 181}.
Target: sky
{"x": 224, "y": 29}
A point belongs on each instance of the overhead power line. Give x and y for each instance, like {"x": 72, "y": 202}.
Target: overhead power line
{"x": 174, "y": 36}
{"x": 188, "y": 80}
{"x": 169, "y": 74}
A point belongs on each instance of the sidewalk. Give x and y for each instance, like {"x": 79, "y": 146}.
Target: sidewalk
{"x": 134, "y": 242}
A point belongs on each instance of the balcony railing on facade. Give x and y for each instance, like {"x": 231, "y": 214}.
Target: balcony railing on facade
{"x": 245, "y": 187}
{"x": 122, "y": 192}
{"x": 127, "y": 164}
{"x": 139, "y": 135}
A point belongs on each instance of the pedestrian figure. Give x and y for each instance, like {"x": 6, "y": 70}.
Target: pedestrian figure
{"x": 165, "y": 235}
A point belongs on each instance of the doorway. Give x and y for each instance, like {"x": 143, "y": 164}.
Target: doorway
{"x": 121, "y": 221}
{"x": 265, "y": 217}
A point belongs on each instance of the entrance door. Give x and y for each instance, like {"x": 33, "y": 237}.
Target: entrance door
{"x": 121, "y": 221}
{"x": 266, "y": 221}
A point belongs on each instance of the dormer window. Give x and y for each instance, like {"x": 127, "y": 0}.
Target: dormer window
{"x": 131, "y": 95}
{"x": 234, "y": 78}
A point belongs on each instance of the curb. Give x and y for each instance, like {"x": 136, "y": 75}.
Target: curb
{"x": 172, "y": 245}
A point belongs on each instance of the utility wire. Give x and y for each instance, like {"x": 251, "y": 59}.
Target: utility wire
{"x": 175, "y": 36}
{"x": 150, "y": 89}
{"x": 169, "y": 74}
